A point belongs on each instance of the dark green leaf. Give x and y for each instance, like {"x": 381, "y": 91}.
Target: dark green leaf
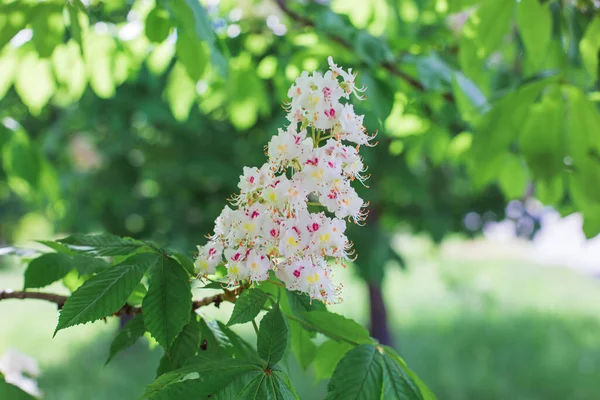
{"x": 247, "y": 306}
{"x": 215, "y": 374}
{"x": 396, "y": 383}
{"x": 128, "y": 335}
{"x": 105, "y": 293}
{"x": 168, "y": 305}
{"x": 358, "y": 375}
{"x": 272, "y": 336}
{"x": 103, "y": 245}
{"x": 185, "y": 346}
{"x": 185, "y": 262}
{"x": 47, "y": 269}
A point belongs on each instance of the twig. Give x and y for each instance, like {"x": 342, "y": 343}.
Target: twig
{"x": 59, "y": 300}
{"x": 388, "y": 66}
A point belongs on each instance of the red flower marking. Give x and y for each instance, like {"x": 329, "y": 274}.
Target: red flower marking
{"x": 274, "y": 233}
{"x": 314, "y": 161}
{"x": 297, "y": 273}
{"x": 330, "y": 113}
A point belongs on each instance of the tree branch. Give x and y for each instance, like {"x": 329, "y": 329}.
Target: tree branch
{"x": 59, "y": 300}
{"x": 388, "y": 66}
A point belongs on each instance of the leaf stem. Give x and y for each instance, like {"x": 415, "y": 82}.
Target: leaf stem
{"x": 255, "y": 327}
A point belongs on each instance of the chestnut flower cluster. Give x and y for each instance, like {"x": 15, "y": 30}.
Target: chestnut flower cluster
{"x": 270, "y": 226}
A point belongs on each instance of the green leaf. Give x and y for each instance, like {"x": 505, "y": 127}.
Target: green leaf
{"x": 535, "y": 26}
{"x": 272, "y": 336}
{"x": 13, "y": 17}
{"x": 47, "y": 269}
{"x": 9, "y": 61}
{"x": 168, "y": 305}
{"x": 21, "y": 159}
{"x": 185, "y": 262}
{"x": 396, "y": 383}
{"x": 327, "y": 357}
{"x": 266, "y": 385}
{"x": 180, "y": 92}
{"x": 104, "y": 244}
{"x": 70, "y": 73}
{"x": 303, "y": 347}
{"x": 34, "y": 82}
{"x": 192, "y": 54}
{"x": 158, "y": 24}
{"x": 215, "y": 374}
{"x": 77, "y": 15}
{"x": 513, "y": 177}
{"x": 247, "y": 306}
{"x": 213, "y": 340}
{"x": 48, "y": 27}
{"x": 497, "y": 130}
{"x": 301, "y": 302}
{"x": 184, "y": 347}
{"x": 241, "y": 348}
{"x": 12, "y": 392}
{"x": 371, "y": 50}
{"x": 105, "y": 293}
{"x": 418, "y": 387}
{"x": 337, "y": 327}
{"x": 136, "y": 298}
{"x": 59, "y": 248}
{"x": 358, "y": 375}
{"x": 589, "y": 46}
{"x": 542, "y": 141}
{"x": 489, "y": 24}
{"x": 191, "y": 19}
{"x": 99, "y": 55}
{"x": 128, "y": 335}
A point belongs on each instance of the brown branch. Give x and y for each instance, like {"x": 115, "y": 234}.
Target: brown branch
{"x": 59, "y": 300}
{"x": 387, "y": 65}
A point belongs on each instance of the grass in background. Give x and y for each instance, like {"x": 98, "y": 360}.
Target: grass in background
{"x": 471, "y": 330}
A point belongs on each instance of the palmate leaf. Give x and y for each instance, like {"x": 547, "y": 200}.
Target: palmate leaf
{"x": 104, "y": 244}
{"x": 214, "y": 374}
{"x": 168, "y": 305}
{"x": 247, "y": 306}
{"x": 266, "y": 385}
{"x": 103, "y": 294}
{"x": 131, "y": 332}
{"x": 358, "y": 375}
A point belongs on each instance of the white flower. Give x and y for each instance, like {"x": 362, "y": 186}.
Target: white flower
{"x": 271, "y": 228}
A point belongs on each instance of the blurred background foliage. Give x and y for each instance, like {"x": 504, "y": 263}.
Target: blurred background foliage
{"x": 136, "y": 117}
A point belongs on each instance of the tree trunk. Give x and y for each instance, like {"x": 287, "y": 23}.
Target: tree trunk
{"x": 379, "y": 321}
